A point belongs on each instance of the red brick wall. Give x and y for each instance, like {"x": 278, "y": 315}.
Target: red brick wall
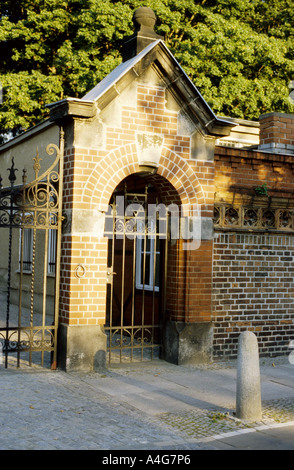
{"x": 253, "y": 289}
{"x": 237, "y": 169}
{"x": 253, "y": 285}
{"x": 189, "y": 285}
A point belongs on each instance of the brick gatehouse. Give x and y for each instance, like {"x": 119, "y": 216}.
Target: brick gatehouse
{"x": 146, "y": 135}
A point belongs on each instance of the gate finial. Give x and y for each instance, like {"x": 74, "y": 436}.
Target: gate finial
{"x": 12, "y": 170}
{"x": 37, "y": 164}
{"x": 24, "y": 176}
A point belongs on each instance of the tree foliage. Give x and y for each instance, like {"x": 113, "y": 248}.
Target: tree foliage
{"x": 239, "y": 53}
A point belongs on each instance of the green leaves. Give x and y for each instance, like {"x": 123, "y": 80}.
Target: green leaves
{"x": 25, "y": 96}
{"x": 239, "y": 53}
{"x": 240, "y": 72}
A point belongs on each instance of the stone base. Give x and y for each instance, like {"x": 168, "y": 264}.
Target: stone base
{"x": 81, "y": 348}
{"x": 188, "y": 343}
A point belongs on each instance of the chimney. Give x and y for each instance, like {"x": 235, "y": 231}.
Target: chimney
{"x": 277, "y": 133}
{"x": 144, "y": 20}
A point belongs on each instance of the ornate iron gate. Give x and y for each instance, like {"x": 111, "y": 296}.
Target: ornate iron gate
{"x": 30, "y": 224}
{"x": 137, "y": 255}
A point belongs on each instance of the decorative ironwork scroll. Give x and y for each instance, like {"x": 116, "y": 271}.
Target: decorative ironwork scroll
{"x": 136, "y": 278}
{"x": 227, "y": 216}
{"x": 31, "y": 214}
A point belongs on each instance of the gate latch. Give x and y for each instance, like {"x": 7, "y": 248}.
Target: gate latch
{"x": 109, "y": 275}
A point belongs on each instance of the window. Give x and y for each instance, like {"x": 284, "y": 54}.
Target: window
{"x": 27, "y": 249}
{"x": 52, "y": 251}
{"x": 147, "y": 256}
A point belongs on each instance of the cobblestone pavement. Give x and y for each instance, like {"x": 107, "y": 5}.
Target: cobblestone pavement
{"x": 54, "y": 410}
{"x": 203, "y": 424}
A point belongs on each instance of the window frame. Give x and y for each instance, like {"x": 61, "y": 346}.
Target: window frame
{"x": 152, "y": 252}
{"x": 27, "y": 246}
{"x": 52, "y": 246}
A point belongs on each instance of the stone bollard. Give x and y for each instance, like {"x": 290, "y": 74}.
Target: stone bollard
{"x": 248, "y": 400}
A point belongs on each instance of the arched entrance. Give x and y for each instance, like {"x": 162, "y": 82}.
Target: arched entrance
{"x": 137, "y": 226}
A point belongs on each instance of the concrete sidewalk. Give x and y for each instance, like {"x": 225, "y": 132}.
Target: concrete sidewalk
{"x": 151, "y": 406}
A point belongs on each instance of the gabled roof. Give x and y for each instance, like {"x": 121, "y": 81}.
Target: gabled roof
{"x": 117, "y": 74}
{"x": 171, "y": 73}
{"x": 175, "y": 78}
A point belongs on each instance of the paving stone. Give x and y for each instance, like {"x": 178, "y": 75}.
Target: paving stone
{"x": 41, "y": 409}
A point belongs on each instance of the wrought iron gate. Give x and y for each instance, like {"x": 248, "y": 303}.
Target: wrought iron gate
{"x": 137, "y": 256}
{"x": 30, "y": 228}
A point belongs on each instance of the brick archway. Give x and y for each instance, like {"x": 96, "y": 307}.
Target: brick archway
{"x": 123, "y": 161}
